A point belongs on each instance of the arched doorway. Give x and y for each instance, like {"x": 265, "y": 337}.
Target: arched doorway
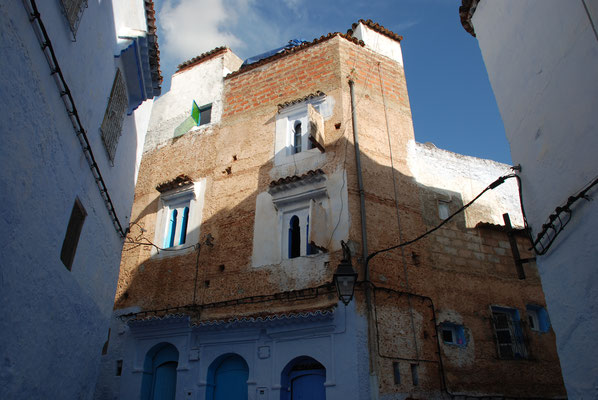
{"x": 159, "y": 373}
{"x": 227, "y": 378}
{"x": 303, "y": 379}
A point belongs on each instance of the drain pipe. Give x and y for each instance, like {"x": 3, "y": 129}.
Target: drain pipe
{"x": 364, "y": 252}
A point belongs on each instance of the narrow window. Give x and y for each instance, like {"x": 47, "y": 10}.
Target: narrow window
{"x": 73, "y": 231}
{"x": 414, "y": 375}
{"x": 396, "y": 372}
{"x": 297, "y": 138}
{"x": 294, "y": 238}
{"x": 184, "y": 220}
{"x": 169, "y": 242}
{"x": 119, "y": 367}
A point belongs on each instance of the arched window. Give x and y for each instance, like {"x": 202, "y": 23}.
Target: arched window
{"x": 294, "y": 237}
{"x": 159, "y": 373}
{"x": 303, "y": 378}
{"x": 297, "y": 138}
{"x": 227, "y": 378}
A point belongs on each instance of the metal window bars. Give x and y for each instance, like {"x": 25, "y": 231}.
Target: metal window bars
{"x": 115, "y": 113}
{"x": 509, "y": 336}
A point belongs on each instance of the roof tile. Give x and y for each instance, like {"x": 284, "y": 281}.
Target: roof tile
{"x": 376, "y": 27}
{"x": 201, "y": 58}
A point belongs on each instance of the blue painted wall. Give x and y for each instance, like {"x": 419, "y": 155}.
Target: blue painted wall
{"x": 267, "y": 348}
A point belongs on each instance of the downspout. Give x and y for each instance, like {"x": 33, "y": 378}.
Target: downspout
{"x": 364, "y": 252}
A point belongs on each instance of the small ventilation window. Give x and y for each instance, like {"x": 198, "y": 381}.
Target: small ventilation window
{"x": 453, "y": 334}
{"x": 443, "y": 209}
{"x": 537, "y": 318}
{"x": 73, "y": 231}
{"x": 396, "y": 372}
{"x": 414, "y": 375}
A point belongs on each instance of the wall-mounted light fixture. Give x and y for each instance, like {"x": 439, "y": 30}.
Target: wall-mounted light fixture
{"x": 345, "y": 277}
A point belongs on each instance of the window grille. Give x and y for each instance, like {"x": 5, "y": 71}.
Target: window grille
{"x": 73, "y": 10}
{"x": 115, "y": 113}
{"x": 509, "y": 336}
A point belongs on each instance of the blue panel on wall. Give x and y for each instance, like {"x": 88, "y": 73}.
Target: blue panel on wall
{"x": 231, "y": 379}
{"x": 165, "y": 381}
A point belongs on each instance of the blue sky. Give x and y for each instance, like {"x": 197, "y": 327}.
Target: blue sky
{"x": 451, "y": 99}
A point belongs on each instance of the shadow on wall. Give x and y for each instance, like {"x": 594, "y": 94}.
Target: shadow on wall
{"x": 429, "y": 267}
{"x": 224, "y": 271}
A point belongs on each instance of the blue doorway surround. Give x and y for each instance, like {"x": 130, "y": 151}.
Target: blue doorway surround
{"x": 160, "y": 373}
{"x": 227, "y": 378}
{"x": 303, "y": 379}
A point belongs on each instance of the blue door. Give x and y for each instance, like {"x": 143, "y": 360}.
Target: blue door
{"x": 165, "y": 381}
{"x": 230, "y": 381}
{"x": 308, "y": 385}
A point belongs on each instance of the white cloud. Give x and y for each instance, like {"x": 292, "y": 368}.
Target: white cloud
{"x": 191, "y": 27}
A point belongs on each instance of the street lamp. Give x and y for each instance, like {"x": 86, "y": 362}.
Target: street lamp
{"x": 345, "y": 277}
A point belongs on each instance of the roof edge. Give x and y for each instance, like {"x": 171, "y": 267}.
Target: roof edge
{"x": 375, "y": 27}
{"x": 201, "y": 58}
{"x": 466, "y": 12}
{"x": 294, "y": 50}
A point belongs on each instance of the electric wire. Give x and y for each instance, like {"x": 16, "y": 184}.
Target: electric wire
{"x": 493, "y": 185}
{"x": 563, "y": 214}
{"x": 71, "y": 109}
{"x": 394, "y": 184}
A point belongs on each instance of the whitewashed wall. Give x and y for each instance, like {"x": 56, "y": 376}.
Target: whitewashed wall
{"x": 542, "y": 61}
{"x": 203, "y": 83}
{"x": 53, "y": 322}
{"x": 468, "y": 176}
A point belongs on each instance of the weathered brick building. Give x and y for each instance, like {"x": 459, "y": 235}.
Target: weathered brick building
{"x": 240, "y": 209}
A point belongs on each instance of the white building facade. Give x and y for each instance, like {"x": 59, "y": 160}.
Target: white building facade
{"x": 542, "y": 61}
{"x": 77, "y": 79}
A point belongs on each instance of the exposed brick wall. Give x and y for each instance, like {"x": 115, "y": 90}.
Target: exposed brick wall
{"x": 460, "y": 271}
{"x": 306, "y": 71}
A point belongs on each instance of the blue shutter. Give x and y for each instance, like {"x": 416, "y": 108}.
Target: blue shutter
{"x": 169, "y": 239}
{"x": 184, "y": 219}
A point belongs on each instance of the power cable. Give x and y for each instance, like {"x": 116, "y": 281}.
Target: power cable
{"x": 493, "y": 185}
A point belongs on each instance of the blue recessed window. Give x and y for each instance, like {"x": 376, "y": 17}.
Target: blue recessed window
{"x": 453, "y": 334}
{"x": 176, "y": 226}
{"x": 537, "y": 318}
